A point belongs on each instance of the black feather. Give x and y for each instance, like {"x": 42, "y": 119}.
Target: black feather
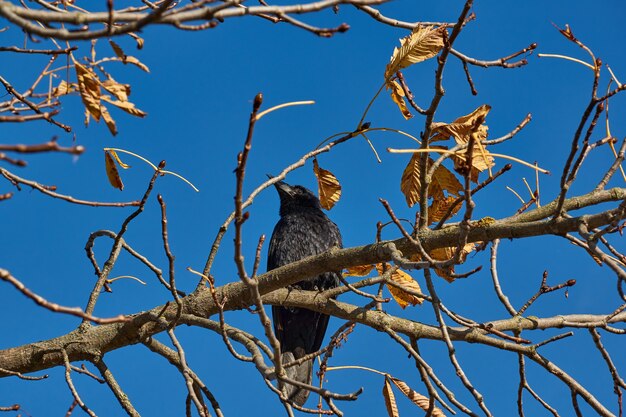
{"x": 303, "y": 230}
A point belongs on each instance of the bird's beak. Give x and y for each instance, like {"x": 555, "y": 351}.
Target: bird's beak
{"x": 282, "y": 187}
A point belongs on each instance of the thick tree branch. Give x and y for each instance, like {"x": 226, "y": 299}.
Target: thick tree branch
{"x": 95, "y": 341}
{"x": 118, "y": 23}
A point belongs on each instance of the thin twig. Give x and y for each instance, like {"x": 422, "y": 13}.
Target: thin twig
{"x": 21, "y": 376}
{"x": 47, "y": 190}
{"x": 544, "y": 289}
{"x": 32, "y": 105}
{"x": 496, "y": 282}
{"x": 50, "y": 146}
{"x": 117, "y": 245}
{"x": 451, "y": 351}
{"x": 39, "y": 300}
{"x": 121, "y": 396}
{"x": 501, "y": 62}
{"x": 184, "y": 368}
{"x": 38, "y": 51}
{"x": 170, "y": 258}
{"x": 70, "y": 384}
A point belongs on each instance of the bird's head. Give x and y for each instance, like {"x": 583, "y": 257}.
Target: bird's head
{"x": 295, "y": 197}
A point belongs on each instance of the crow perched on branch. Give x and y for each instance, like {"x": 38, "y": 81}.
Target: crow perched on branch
{"x": 303, "y": 230}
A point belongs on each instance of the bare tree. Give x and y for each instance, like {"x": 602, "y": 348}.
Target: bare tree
{"x": 430, "y": 245}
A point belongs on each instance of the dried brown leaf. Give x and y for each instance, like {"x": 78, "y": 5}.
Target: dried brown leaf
{"x": 567, "y": 32}
{"x": 120, "y": 91}
{"x": 93, "y": 49}
{"x": 127, "y": 106}
{"x": 423, "y": 43}
{"x": 417, "y": 398}
{"x": 132, "y": 60}
{"x": 444, "y": 180}
{"x": 461, "y": 130}
{"x": 397, "y": 95}
{"x": 117, "y": 49}
{"x": 439, "y": 207}
{"x": 481, "y": 158}
{"x": 596, "y": 258}
{"x": 390, "y": 399}
{"x": 137, "y": 39}
{"x": 106, "y": 116}
{"x": 446, "y": 273}
{"x": 410, "y": 183}
{"x": 89, "y": 87}
{"x": 87, "y": 117}
{"x": 403, "y": 298}
{"x": 444, "y": 254}
{"x": 127, "y": 59}
{"x": 328, "y": 186}
{"x": 112, "y": 173}
{"x": 358, "y": 271}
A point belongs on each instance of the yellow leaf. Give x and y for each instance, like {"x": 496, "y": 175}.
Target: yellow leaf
{"x": 397, "y": 95}
{"x": 439, "y": 208}
{"x": 410, "y": 182}
{"x": 423, "y": 43}
{"x": 328, "y": 186}
{"x": 64, "y": 88}
{"x": 117, "y": 159}
{"x": 112, "y": 173}
{"x": 403, "y": 298}
{"x": 417, "y": 399}
{"x": 89, "y": 87}
{"x": 444, "y": 180}
{"x": 390, "y": 399}
{"x": 358, "y": 271}
{"x": 106, "y": 116}
{"x": 447, "y": 272}
{"x": 444, "y": 254}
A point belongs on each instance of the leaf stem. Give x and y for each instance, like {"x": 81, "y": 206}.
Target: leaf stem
{"x": 280, "y": 106}
{"x": 126, "y": 276}
{"x": 362, "y": 368}
{"x": 568, "y": 58}
{"x": 154, "y": 166}
{"x": 461, "y": 155}
{"x": 367, "y": 109}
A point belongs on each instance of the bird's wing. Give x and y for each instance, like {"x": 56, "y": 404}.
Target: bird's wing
{"x": 295, "y": 238}
{"x": 299, "y": 330}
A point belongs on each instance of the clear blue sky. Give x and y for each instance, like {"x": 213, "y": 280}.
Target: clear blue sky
{"x": 198, "y": 96}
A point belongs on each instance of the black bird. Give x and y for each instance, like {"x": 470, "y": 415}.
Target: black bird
{"x": 303, "y": 230}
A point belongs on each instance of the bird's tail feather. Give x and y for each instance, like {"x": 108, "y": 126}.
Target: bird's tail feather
{"x": 301, "y": 373}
